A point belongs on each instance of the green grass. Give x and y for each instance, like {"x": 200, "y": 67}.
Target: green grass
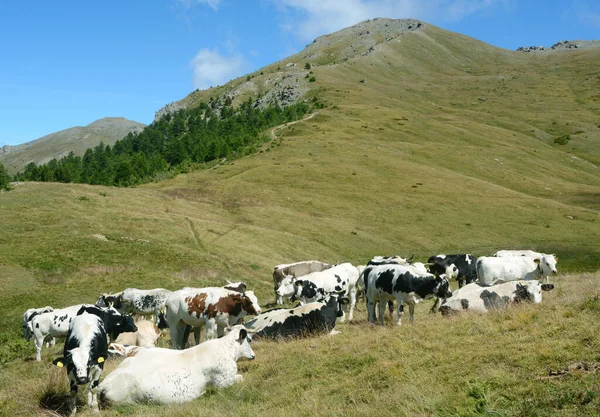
{"x": 448, "y": 173}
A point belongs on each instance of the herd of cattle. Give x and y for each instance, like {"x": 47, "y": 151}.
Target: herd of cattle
{"x": 177, "y": 375}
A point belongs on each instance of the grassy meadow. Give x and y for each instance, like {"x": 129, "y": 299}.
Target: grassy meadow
{"x": 448, "y": 147}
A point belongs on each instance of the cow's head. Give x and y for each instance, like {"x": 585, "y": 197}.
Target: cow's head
{"x": 528, "y": 291}
{"x": 79, "y": 362}
{"x": 110, "y": 300}
{"x": 244, "y": 350}
{"x": 307, "y": 290}
{"x": 547, "y": 265}
{"x": 451, "y": 272}
{"x": 441, "y": 288}
{"x": 287, "y": 287}
{"x": 123, "y": 323}
{"x": 250, "y": 303}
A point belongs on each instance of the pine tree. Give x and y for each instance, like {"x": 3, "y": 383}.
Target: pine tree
{"x": 4, "y": 178}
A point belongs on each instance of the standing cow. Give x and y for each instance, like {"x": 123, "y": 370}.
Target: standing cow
{"x": 28, "y": 317}
{"x": 84, "y": 354}
{"x": 297, "y": 269}
{"x": 403, "y": 284}
{"x": 465, "y": 265}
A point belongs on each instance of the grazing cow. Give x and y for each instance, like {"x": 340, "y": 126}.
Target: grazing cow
{"x": 492, "y": 270}
{"x": 297, "y": 269}
{"x": 147, "y": 335}
{"x": 107, "y": 300}
{"x": 26, "y": 324}
{"x": 386, "y": 260}
{"x": 461, "y": 265}
{"x": 54, "y": 323}
{"x": 340, "y": 279}
{"x": 215, "y": 307}
{"x": 166, "y": 376}
{"x": 114, "y": 323}
{"x": 402, "y": 283}
{"x": 481, "y": 299}
{"x": 84, "y": 354}
{"x": 305, "y": 320}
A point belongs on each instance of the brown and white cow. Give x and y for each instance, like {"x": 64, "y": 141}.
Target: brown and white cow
{"x": 216, "y": 307}
{"x": 297, "y": 269}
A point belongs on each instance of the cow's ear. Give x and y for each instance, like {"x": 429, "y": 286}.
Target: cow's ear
{"x": 298, "y": 283}
{"x": 537, "y": 261}
{"x": 243, "y": 335}
{"x": 60, "y": 362}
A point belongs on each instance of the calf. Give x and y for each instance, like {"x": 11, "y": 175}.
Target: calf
{"x": 297, "y": 269}
{"x": 493, "y": 270}
{"x": 166, "y": 376}
{"x": 480, "y": 299}
{"x": 84, "y": 354}
{"x": 340, "y": 279}
{"x": 114, "y": 323}
{"x": 54, "y": 323}
{"x": 402, "y": 283}
{"x": 215, "y": 307}
{"x": 305, "y": 320}
{"x": 26, "y": 323}
{"x": 460, "y": 265}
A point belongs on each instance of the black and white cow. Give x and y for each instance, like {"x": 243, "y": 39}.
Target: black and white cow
{"x": 141, "y": 302}
{"x": 114, "y": 322}
{"x": 53, "y": 324}
{"x": 26, "y": 323}
{"x": 340, "y": 279}
{"x": 297, "y": 269}
{"x": 403, "y": 284}
{"x": 305, "y": 320}
{"x": 481, "y": 299}
{"x": 464, "y": 263}
{"x": 85, "y": 351}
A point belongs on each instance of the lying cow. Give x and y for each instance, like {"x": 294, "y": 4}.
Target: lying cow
{"x": 297, "y": 269}
{"x": 403, "y": 284}
{"x": 52, "y": 324}
{"x": 166, "y": 376}
{"x": 340, "y": 279}
{"x": 215, "y": 307}
{"x": 386, "y": 260}
{"x": 464, "y": 264}
{"x": 123, "y": 350}
{"x": 305, "y": 320}
{"x": 481, "y": 299}
{"x": 146, "y": 335}
{"x": 493, "y": 270}
{"x": 26, "y": 323}
{"x": 84, "y": 354}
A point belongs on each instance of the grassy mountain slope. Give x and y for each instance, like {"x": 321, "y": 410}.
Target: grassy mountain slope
{"x": 59, "y": 144}
{"x": 409, "y": 161}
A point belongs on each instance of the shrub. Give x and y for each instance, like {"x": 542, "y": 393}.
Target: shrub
{"x": 312, "y": 79}
{"x": 307, "y": 66}
{"x": 563, "y": 140}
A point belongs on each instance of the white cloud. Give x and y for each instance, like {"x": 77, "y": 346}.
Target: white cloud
{"x": 212, "y": 69}
{"x": 214, "y": 4}
{"x": 308, "y": 19}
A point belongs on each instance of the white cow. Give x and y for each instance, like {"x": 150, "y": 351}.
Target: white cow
{"x": 341, "y": 279}
{"x": 296, "y": 269}
{"x": 492, "y": 270}
{"x": 481, "y": 299}
{"x": 167, "y": 376}
{"x": 521, "y": 252}
{"x": 53, "y": 324}
{"x": 26, "y": 323}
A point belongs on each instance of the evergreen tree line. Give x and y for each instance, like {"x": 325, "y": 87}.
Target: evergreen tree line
{"x": 171, "y": 145}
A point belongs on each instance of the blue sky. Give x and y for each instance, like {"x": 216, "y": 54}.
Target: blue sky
{"x": 68, "y": 63}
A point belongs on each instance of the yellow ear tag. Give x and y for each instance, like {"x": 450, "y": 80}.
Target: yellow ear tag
{"x": 59, "y": 364}
{"x": 100, "y": 359}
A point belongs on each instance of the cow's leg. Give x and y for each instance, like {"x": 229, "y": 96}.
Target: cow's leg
{"x": 39, "y": 342}
{"x": 211, "y": 328}
{"x": 96, "y": 372}
{"x": 390, "y": 305}
{"x": 177, "y": 331}
{"x": 411, "y": 312}
{"x": 220, "y": 331}
{"x": 461, "y": 282}
{"x": 381, "y": 311}
{"x": 197, "y": 334}
{"x": 352, "y": 304}
{"x": 74, "y": 389}
{"x": 370, "y": 309}
{"x": 400, "y": 311}
{"x": 434, "y": 307}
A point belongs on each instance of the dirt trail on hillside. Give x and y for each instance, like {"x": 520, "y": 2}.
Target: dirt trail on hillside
{"x": 277, "y": 128}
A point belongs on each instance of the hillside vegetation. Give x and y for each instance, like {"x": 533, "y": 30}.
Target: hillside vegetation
{"x": 447, "y": 146}
{"x": 59, "y": 144}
